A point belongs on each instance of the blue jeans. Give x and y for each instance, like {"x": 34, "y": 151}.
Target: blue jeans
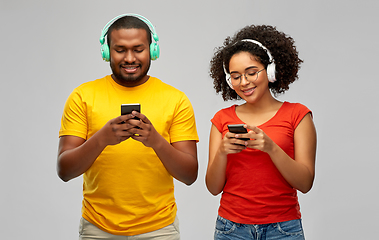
{"x": 228, "y": 230}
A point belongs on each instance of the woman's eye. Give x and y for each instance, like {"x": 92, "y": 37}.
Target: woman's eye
{"x": 251, "y": 74}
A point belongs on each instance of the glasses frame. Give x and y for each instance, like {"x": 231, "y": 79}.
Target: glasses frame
{"x": 240, "y": 78}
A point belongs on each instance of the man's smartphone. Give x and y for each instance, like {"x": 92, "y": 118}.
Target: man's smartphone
{"x": 238, "y": 128}
{"x": 128, "y": 108}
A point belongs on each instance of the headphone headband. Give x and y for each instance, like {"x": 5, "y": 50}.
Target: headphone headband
{"x": 154, "y": 47}
{"x": 270, "y": 67}
{"x": 261, "y": 45}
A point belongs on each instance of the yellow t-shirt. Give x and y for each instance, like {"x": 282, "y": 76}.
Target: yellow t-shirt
{"x": 127, "y": 190}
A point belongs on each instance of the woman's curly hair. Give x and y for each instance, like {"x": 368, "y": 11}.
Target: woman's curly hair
{"x": 281, "y": 46}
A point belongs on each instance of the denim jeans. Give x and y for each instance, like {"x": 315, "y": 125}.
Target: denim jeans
{"x": 228, "y": 230}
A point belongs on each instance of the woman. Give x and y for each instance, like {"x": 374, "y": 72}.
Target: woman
{"x": 259, "y": 178}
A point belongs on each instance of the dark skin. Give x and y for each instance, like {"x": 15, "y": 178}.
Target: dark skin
{"x": 76, "y": 155}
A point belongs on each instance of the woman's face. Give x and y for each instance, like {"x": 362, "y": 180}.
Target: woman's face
{"x": 244, "y": 64}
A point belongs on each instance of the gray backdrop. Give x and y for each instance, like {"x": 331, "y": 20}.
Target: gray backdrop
{"x": 51, "y": 47}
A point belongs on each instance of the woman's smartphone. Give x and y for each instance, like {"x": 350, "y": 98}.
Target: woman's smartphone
{"x": 128, "y": 108}
{"x": 238, "y": 128}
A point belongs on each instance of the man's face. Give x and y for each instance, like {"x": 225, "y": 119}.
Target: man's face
{"x": 129, "y": 56}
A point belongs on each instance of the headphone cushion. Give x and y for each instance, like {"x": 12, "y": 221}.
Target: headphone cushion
{"x": 154, "y": 51}
{"x": 271, "y": 72}
{"x": 105, "y": 52}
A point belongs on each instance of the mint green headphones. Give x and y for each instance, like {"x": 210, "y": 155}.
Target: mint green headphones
{"x": 154, "y": 47}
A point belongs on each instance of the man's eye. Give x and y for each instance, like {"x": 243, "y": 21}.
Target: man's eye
{"x": 119, "y": 50}
{"x": 139, "y": 50}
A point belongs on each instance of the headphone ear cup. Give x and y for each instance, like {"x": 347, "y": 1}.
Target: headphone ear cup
{"x": 154, "y": 51}
{"x": 227, "y": 77}
{"x": 105, "y": 52}
{"x": 271, "y": 72}
{"x": 229, "y": 82}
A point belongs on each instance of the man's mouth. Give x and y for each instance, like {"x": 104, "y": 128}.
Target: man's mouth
{"x": 130, "y": 68}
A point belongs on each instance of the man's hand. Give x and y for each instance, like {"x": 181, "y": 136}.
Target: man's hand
{"x": 142, "y": 130}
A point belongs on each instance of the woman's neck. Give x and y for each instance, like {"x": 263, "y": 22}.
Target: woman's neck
{"x": 265, "y": 104}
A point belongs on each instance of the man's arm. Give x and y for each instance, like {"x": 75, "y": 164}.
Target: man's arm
{"x": 76, "y": 155}
{"x": 179, "y": 158}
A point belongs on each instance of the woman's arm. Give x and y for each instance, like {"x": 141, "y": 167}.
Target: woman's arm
{"x": 219, "y": 148}
{"x": 298, "y": 172}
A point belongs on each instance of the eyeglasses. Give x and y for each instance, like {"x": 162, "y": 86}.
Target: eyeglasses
{"x": 250, "y": 75}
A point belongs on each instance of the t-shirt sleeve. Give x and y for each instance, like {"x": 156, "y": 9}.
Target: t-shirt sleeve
{"x": 183, "y": 126}
{"x": 299, "y": 113}
{"x": 74, "y": 120}
{"x": 216, "y": 120}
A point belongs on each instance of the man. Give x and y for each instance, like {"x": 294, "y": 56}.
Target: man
{"x": 128, "y": 164}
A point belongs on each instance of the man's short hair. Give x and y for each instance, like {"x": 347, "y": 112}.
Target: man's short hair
{"x": 128, "y": 22}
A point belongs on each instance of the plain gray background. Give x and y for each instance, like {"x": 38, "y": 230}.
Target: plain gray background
{"x": 51, "y": 47}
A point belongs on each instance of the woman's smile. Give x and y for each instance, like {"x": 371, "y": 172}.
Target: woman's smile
{"x": 248, "y": 91}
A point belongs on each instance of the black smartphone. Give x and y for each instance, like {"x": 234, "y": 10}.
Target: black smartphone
{"x": 238, "y": 128}
{"x": 128, "y": 108}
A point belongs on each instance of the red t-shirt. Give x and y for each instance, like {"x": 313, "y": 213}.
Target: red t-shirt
{"x": 255, "y": 192}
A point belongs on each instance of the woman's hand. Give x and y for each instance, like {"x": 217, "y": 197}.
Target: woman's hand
{"x": 232, "y": 144}
{"x": 259, "y": 140}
